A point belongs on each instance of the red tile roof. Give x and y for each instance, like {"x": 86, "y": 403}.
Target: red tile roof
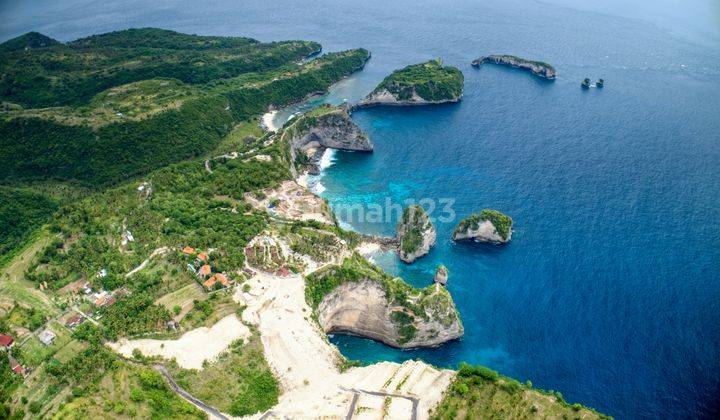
{"x": 188, "y": 250}
{"x": 16, "y": 367}
{"x": 5, "y": 340}
{"x": 222, "y": 279}
{"x": 205, "y": 270}
{"x": 210, "y": 282}
{"x": 202, "y": 256}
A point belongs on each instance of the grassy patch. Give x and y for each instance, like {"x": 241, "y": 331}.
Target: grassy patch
{"x": 207, "y": 312}
{"x": 33, "y": 353}
{"x": 479, "y": 392}
{"x": 239, "y": 382}
{"x": 129, "y": 392}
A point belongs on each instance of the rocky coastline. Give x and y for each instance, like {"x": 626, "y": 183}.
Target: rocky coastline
{"x": 537, "y": 68}
{"x": 361, "y": 299}
{"x": 326, "y": 127}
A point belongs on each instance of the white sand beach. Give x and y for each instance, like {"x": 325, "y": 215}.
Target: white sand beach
{"x": 268, "y": 121}
{"x": 193, "y": 348}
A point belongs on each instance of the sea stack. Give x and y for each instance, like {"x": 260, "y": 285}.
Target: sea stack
{"x": 441, "y": 275}
{"x": 418, "y": 84}
{"x": 415, "y": 234}
{"x": 538, "y": 68}
{"x": 486, "y": 226}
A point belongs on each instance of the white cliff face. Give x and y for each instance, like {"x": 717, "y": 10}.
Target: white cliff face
{"x": 335, "y": 130}
{"x": 361, "y": 308}
{"x": 385, "y": 97}
{"x": 415, "y": 234}
{"x": 485, "y": 232}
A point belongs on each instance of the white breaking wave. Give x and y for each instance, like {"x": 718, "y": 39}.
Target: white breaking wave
{"x": 327, "y": 160}
{"x": 317, "y": 188}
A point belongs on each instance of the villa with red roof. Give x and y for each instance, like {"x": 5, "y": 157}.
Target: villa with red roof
{"x": 205, "y": 271}
{"x": 5, "y": 341}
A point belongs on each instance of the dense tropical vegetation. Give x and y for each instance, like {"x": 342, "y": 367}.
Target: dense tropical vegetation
{"x": 481, "y": 393}
{"x": 502, "y": 222}
{"x": 127, "y": 102}
{"x": 22, "y": 211}
{"x": 430, "y": 80}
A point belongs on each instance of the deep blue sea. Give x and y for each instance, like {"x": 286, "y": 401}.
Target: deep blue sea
{"x": 610, "y": 289}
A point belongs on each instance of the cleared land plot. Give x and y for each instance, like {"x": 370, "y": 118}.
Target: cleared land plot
{"x": 182, "y": 298}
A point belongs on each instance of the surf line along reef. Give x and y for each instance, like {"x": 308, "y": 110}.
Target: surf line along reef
{"x": 187, "y": 219}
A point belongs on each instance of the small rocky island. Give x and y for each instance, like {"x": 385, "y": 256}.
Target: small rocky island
{"x": 441, "y": 275}
{"x": 486, "y": 226}
{"x": 325, "y": 127}
{"x": 415, "y": 234}
{"x": 418, "y": 84}
{"x": 360, "y": 298}
{"x": 538, "y": 68}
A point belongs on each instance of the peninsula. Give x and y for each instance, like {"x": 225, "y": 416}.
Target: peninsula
{"x": 325, "y": 127}
{"x": 359, "y": 298}
{"x": 538, "y": 68}
{"x": 418, "y": 84}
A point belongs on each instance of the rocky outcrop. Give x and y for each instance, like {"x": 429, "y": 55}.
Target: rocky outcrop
{"x": 327, "y": 127}
{"x": 385, "y": 97}
{"x": 538, "y": 68}
{"x": 418, "y": 84}
{"x": 441, "y": 275}
{"x": 362, "y": 308}
{"x": 487, "y": 226}
{"x": 415, "y": 233}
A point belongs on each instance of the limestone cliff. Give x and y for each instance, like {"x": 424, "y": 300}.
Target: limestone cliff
{"x": 537, "y": 68}
{"x": 487, "y": 226}
{"x": 441, "y": 275}
{"x": 415, "y": 233}
{"x": 324, "y": 127}
{"x": 359, "y": 298}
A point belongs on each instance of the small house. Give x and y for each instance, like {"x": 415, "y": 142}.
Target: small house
{"x": 202, "y": 256}
{"x": 188, "y": 250}
{"x": 222, "y": 279}
{"x": 76, "y": 320}
{"x": 6, "y": 341}
{"x": 209, "y": 283}
{"x": 16, "y": 367}
{"x": 205, "y": 271}
{"x": 47, "y": 337}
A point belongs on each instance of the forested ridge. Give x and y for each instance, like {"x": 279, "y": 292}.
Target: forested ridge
{"x": 241, "y": 78}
